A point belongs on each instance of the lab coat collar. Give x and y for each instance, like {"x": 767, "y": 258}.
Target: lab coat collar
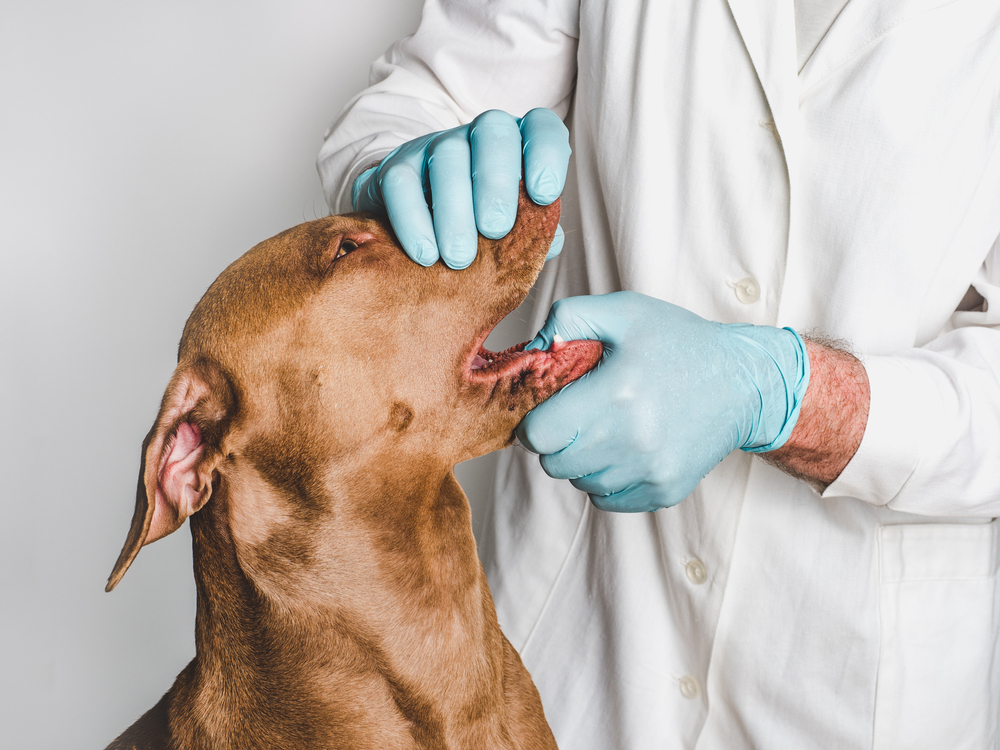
{"x": 768, "y": 31}
{"x": 859, "y": 25}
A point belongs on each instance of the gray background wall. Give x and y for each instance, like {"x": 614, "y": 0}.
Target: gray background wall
{"x": 142, "y": 148}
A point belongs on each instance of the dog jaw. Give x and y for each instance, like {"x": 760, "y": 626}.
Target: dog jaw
{"x": 337, "y": 352}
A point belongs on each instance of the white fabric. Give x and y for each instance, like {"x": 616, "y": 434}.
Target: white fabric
{"x": 863, "y": 195}
{"x": 813, "y": 18}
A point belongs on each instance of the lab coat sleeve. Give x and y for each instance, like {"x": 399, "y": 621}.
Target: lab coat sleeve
{"x": 932, "y": 442}
{"x": 466, "y": 57}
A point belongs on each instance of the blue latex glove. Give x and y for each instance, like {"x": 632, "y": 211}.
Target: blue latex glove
{"x": 471, "y": 173}
{"x": 672, "y": 397}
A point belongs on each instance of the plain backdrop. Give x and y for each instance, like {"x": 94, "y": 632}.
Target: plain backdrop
{"x": 143, "y": 147}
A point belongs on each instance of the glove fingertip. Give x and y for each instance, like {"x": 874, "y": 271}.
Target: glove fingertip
{"x": 457, "y": 264}
{"x": 520, "y": 432}
{"x": 458, "y": 251}
{"x": 496, "y": 219}
{"x": 422, "y": 251}
{"x": 543, "y": 339}
{"x": 543, "y": 185}
{"x": 558, "y": 241}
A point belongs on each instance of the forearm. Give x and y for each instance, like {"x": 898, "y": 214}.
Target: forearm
{"x": 832, "y": 420}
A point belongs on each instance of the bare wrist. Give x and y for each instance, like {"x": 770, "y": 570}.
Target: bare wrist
{"x": 832, "y": 420}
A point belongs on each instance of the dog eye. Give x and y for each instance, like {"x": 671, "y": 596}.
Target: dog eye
{"x": 346, "y": 246}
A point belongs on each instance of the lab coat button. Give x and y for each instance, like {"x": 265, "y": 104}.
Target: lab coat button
{"x": 689, "y": 686}
{"x": 696, "y": 572}
{"x": 747, "y": 290}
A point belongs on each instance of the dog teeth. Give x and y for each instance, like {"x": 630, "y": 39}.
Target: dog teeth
{"x": 487, "y": 359}
{"x": 557, "y": 339}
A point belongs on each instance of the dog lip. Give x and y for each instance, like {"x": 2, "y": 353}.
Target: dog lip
{"x": 498, "y": 362}
{"x": 488, "y": 368}
{"x": 561, "y": 364}
{"x": 544, "y": 370}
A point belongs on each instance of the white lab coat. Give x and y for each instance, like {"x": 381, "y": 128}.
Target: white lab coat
{"x": 862, "y": 194}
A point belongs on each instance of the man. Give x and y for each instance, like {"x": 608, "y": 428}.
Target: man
{"x": 798, "y": 168}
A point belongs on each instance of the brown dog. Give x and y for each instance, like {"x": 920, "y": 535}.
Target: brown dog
{"x": 326, "y": 387}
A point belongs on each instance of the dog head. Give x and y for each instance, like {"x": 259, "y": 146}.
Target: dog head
{"x": 325, "y": 357}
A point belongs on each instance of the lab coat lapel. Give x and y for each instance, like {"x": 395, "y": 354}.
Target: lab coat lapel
{"x": 858, "y": 26}
{"x": 768, "y": 31}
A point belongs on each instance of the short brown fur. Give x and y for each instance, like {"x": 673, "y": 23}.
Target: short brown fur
{"x": 310, "y": 432}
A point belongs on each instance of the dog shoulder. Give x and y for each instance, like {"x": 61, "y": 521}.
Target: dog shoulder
{"x": 150, "y": 732}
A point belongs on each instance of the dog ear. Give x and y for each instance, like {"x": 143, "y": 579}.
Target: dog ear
{"x": 179, "y": 456}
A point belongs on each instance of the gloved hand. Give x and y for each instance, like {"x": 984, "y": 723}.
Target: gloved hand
{"x": 471, "y": 173}
{"x": 673, "y": 396}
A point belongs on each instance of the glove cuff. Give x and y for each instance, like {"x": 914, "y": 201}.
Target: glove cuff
{"x": 794, "y": 369}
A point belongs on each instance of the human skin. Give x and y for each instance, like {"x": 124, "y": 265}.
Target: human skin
{"x": 832, "y": 420}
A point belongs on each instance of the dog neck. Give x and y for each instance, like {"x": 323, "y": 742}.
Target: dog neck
{"x": 382, "y": 609}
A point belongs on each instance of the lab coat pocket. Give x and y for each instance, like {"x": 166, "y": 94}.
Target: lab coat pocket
{"x": 939, "y": 666}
